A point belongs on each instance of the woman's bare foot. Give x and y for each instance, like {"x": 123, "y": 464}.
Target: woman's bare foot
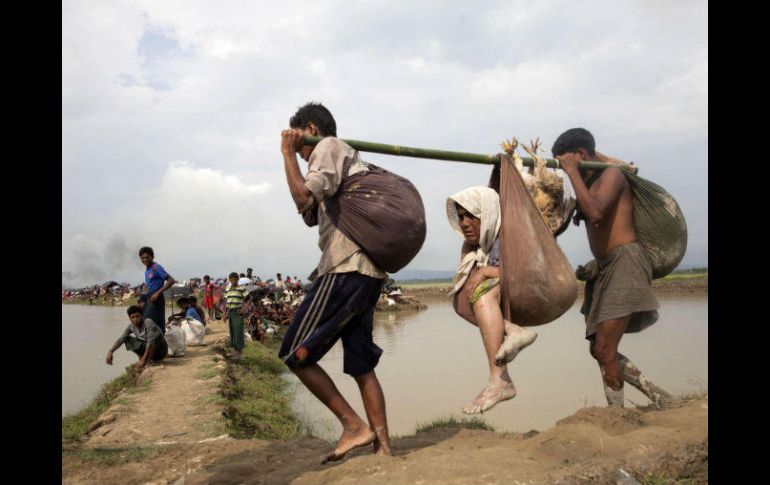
{"x": 490, "y": 396}
{"x": 349, "y": 441}
{"x": 514, "y": 343}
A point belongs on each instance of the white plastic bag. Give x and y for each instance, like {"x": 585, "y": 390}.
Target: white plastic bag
{"x": 194, "y": 331}
{"x": 175, "y": 338}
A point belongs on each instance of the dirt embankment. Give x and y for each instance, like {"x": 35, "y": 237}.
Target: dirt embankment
{"x": 172, "y": 432}
{"x": 587, "y": 447}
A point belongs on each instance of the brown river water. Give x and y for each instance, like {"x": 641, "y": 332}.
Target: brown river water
{"x": 433, "y": 363}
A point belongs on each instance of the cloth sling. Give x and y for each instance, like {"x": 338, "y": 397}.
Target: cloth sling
{"x": 537, "y": 282}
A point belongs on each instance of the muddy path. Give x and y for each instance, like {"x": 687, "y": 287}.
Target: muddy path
{"x": 586, "y": 447}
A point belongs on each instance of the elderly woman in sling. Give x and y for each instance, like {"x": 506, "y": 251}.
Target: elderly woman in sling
{"x": 474, "y": 213}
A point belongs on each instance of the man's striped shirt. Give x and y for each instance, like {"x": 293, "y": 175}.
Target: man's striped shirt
{"x": 234, "y": 297}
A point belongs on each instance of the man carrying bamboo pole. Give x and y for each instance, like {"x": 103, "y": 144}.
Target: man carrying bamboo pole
{"x": 618, "y": 299}
{"x": 341, "y": 302}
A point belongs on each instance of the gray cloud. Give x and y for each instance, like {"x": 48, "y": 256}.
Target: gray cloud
{"x": 152, "y": 82}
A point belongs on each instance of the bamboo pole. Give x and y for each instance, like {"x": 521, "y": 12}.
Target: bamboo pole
{"x": 401, "y": 151}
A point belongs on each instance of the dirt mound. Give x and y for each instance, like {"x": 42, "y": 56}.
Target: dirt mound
{"x": 405, "y": 303}
{"x": 613, "y": 421}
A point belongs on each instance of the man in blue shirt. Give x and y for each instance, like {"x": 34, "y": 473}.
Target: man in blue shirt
{"x": 157, "y": 281}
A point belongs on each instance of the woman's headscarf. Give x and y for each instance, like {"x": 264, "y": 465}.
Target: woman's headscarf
{"x": 484, "y": 203}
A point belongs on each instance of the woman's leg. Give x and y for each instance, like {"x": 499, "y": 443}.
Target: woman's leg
{"x": 492, "y": 328}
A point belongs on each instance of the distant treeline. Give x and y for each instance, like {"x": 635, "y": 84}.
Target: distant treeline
{"x": 691, "y": 271}
{"x": 426, "y": 281}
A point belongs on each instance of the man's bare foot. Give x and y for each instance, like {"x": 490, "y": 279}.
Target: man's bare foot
{"x": 382, "y": 443}
{"x": 659, "y": 397}
{"x": 490, "y": 396}
{"x": 349, "y": 441}
{"x": 514, "y": 343}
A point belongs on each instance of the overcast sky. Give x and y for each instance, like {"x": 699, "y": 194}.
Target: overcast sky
{"x": 172, "y": 112}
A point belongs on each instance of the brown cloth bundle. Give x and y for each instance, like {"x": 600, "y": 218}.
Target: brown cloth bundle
{"x": 379, "y": 211}
{"x": 658, "y": 221}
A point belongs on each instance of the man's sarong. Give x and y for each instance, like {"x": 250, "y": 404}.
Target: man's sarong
{"x": 621, "y": 288}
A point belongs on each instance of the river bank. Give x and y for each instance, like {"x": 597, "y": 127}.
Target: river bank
{"x": 673, "y": 284}
{"x": 202, "y": 419}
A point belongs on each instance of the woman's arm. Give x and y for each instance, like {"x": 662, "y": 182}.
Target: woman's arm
{"x": 475, "y": 280}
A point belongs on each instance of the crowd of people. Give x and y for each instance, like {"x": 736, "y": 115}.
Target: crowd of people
{"x": 110, "y": 291}
{"x": 264, "y": 305}
{"x": 117, "y": 293}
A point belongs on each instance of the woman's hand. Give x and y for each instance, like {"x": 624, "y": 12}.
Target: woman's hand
{"x": 478, "y": 277}
{"x": 471, "y": 283}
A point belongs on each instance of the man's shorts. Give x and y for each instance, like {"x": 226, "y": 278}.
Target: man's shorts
{"x": 208, "y": 301}
{"x": 138, "y": 347}
{"x": 157, "y": 312}
{"x": 339, "y": 305}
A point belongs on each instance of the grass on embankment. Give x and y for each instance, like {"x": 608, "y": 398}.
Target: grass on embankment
{"x": 438, "y": 283}
{"x": 75, "y": 426}
{"x": 108, "y": 457}
{"x": 258, "y": 402}
{"x": 686, "y": 276}
{"x": 693, "y": 394}
{"x": 452, "y": 422}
